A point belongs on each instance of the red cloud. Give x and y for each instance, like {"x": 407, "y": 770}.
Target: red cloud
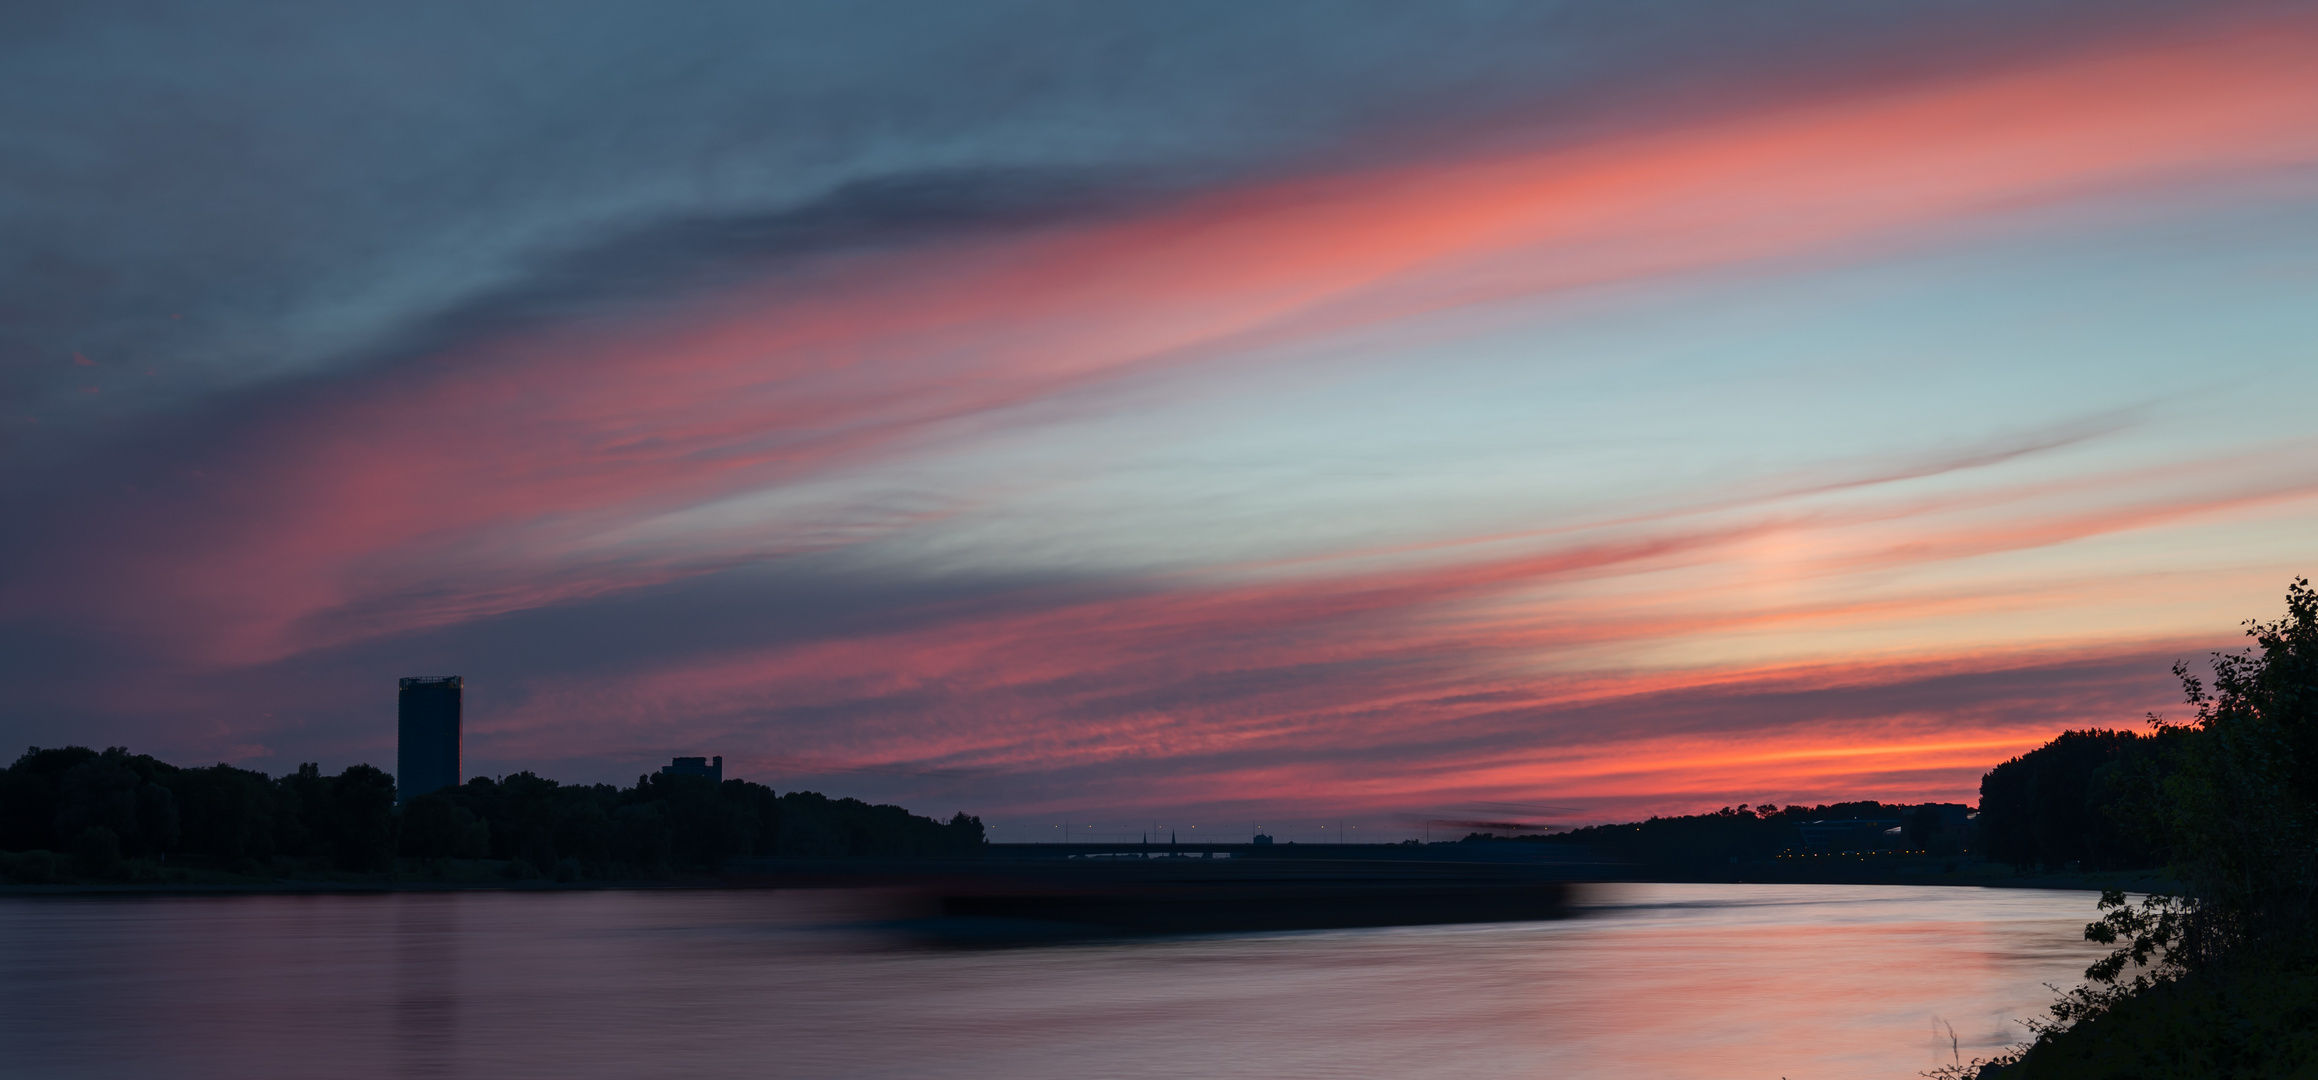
{"x": 500, "y": 476}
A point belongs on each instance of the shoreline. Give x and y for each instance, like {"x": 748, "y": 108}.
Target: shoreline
{"x": 870, "y": 872}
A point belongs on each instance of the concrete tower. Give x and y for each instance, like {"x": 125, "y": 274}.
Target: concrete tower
{"x": 427, "y": 732}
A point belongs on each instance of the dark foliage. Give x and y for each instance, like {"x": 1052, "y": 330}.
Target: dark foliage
{"x": 2067, "y": 802}
{"x": 435, "y": 826}
{"x": 96, "y": 852}
{"x": 98, "y": 810}
{"x": 1745, "y": 834}
{"x": 53, "y": 796}
{"x": 228, "y": 814}
{"x": 143, "y": 808}
{"x": 2241, "y": 809}
{"x": 688, "y": 821}
{"x": 812, "y": 824}
{"x": 361, "y": 819}
{"x": 2221, "y": 981}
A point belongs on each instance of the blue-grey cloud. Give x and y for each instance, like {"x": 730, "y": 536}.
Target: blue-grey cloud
{"x": 222, "y": 193}
{"x": 219, "y": 221}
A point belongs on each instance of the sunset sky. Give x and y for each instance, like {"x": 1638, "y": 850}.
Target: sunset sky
{"x": 1191, "y": 413}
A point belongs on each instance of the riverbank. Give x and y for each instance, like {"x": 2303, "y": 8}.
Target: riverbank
{"x": 47, "y": 874}
{"x": 1878, "y": 870}
{"x": 2257, "y": 1017}
{"x": 41, "y": 873}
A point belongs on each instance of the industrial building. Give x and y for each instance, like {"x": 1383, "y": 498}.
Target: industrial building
{"x": 693, "y": 766}
{"x": 427, "y": 735}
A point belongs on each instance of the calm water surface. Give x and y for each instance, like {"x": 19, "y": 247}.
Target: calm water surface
{"x": 1660, "y": 981}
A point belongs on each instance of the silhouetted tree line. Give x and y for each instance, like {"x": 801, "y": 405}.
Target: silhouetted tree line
{"x": 1760, "y": 832}
{"x": 102, "y": 808}
{"x": 2085, "y": 798}
{"x": 105, "y": 807}
{"x": 665, "y": 820}
{"x": 2221, "y": 980}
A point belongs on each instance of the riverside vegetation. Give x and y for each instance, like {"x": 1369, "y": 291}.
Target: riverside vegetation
{"x": 2219, "y": 979}
{"x": 75, "y": 815}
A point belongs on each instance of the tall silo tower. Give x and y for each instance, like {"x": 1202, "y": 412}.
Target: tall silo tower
{"x": 427, "y": 732}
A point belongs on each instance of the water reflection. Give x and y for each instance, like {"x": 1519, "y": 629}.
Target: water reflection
{"x": 427, "y": 976}
{"x": 1671, "y": 981}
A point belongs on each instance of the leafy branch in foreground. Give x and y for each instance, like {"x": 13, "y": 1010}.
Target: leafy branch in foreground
{"x": 2222, "y": 979}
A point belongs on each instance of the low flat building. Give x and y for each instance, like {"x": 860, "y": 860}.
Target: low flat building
{"x": 712, "y": 768}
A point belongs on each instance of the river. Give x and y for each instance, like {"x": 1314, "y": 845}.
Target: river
{"x": 1655, "y": 982}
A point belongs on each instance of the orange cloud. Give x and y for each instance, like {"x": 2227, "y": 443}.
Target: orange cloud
{"x": 503, "y": 475}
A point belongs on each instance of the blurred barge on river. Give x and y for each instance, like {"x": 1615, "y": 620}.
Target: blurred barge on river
{"x": 1065, "y": 890}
